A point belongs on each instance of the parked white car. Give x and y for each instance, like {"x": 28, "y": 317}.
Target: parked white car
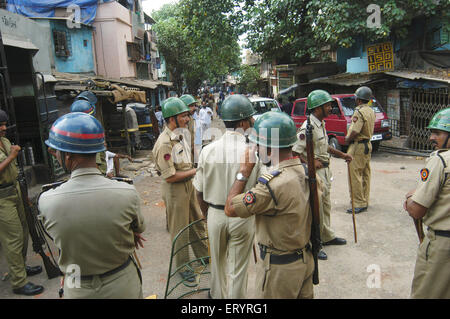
{"x": 263, "y": 105}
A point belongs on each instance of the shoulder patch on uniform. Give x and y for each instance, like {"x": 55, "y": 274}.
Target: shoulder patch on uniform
{"x": 167, "y": 156}
{"x": 302, "y": 136}
{"x": 424, "y": 173}
{"x": 265, "y": 178}
{"x": 249, "y": 198}
{"x": 355, "y": 118}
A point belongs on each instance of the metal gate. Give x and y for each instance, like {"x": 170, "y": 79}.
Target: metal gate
{"x": 424, "y": 103}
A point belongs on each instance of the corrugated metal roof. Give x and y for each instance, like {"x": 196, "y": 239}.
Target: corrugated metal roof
{"x": 417, "y": 75}
{"x": 347, "y": 79}
{"x": 352, "y": 79}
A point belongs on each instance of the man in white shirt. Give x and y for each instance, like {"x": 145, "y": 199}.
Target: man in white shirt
{"x": 113, "y": 163}
{"x": 205, "y": 115}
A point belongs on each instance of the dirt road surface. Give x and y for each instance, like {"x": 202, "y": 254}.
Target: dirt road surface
{"x": 380, "y": 265}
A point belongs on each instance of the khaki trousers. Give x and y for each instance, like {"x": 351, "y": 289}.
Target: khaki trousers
{"x": 14, "y": 234}
{"x": 290, "y": 281}
{"x": 231, "y": 240}
{"x": 182, "y": 209}
{"x": 432, "y": 270}
{"x": 124, "y": 284}
{"x": 360, "y": 173}
{"x": 326, "y": 233}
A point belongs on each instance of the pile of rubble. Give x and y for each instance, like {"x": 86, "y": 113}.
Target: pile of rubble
{"x": 139, "y": 167}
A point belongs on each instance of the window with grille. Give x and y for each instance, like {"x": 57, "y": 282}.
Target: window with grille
{"x": 62, "y": 43}
{"x": 134, "y": 51}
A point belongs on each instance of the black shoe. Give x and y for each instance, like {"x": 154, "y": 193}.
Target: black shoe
{"x": 31, "y": 271}
{"x": 357, "y": 210}
{"x": 189, "y": 278}
{"x": 209, "y": 294}
{"x": 336, "y": 241}
{"x": 322, "y": 255}
{"x": 29, "y": 289}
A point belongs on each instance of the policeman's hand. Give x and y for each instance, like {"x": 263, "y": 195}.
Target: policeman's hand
{"x": 14, "y": 151}
{"x": 347, "y": 157}
{"x": 248, "y": 160}
{"x": 408, "y": 195}
{"x": 138, "y": 240}
{"x": 318, "y": 164}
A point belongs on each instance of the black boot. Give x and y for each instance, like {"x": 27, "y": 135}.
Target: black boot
{"x": 29, "y": 289}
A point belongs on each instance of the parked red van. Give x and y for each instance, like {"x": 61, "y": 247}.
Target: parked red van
{"x": 338, "y": 122}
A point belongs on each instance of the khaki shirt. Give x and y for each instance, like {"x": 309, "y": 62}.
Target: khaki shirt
{"x": 363, "y": 121}
{"x": 92, "y": 219}
{"x": 320, "y": 140}
{"x": 171, "y": 153}
{"x": 218, "y": 165}
{"x": 433, "y": 191}
{"x": 285, "y": 227}
{"x": 10, "y": 173}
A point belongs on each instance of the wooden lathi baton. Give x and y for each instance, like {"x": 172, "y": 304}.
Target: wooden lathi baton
{"x": 419, "y": 229}
{"x": 353, "y": 205}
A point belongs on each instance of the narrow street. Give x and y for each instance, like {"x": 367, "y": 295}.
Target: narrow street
{"x": 380, "y": 265}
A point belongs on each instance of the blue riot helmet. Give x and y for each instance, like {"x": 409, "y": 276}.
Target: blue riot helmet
{"x": 82, "y": 106}
{"x": 88, "y": 96}
{"x": 78, "y": 133}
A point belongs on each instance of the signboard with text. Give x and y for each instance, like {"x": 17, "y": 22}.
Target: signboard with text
{"x": 380, "y": 57}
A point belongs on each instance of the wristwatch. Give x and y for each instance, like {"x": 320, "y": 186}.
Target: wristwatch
{"x": 241, "y": 177}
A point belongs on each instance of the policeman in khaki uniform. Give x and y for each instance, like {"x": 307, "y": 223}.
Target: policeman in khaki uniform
{"x": 191, "y": 103}
{"x": 360, "y": 148}
{"x": 280, "y": 203}
{"x": 94, "y": 221}
{"x": 319, "y": 104}
{"x": 430, "y": 201}
{"x": 13, "y": 223}
{"x": 173, "y": 161}
{"x": 231, "y": 239}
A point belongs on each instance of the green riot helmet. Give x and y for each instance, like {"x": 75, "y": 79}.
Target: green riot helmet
{"x": 173, "y": 106}
{"x": 188, "y": 99}
{"x": 364, "y": 93}
{"x": 317, "y": 98}
{"x": 236, "y": 107}
{"x": 441, "y": 121}
{"x": 274, "y": 129}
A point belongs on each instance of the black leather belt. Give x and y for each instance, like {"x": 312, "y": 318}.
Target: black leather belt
{"x": 221, "y": 207}
{"x": 109, "y": 273}
{"x": 6, "y": 185}
{"x": 363, "y": 141}
{"x": 280, "y": 259}
{"x": 444, "y": 233}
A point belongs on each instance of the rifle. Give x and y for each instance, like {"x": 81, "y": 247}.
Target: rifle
{"x": 34, "y": 227}
{"x": 313, "y": 200}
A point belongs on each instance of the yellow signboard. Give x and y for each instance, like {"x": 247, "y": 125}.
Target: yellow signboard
{"x": 380, "y": 57}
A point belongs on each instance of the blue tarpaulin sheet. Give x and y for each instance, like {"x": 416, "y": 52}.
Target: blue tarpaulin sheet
{"x": 46, "y": 8}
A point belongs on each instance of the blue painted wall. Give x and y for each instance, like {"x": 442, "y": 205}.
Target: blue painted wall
{"x": 81, "y": 58}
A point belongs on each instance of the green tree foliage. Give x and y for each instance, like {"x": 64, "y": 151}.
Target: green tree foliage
{"x": 198, "y": 40}
{"x": 249, "y": 79}
{"x": 295, "y": 30}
